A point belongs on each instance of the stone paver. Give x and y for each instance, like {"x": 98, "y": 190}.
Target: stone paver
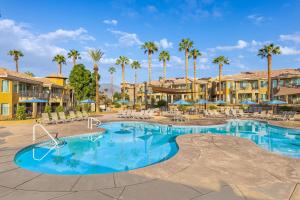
{"x": 159, "y": 190}
{"x": 16, "y": 177}
{"x": 85, "y": 195}
{"x": 113, "y": 192}
{"x": 225, "y": 193}
{"x": 31, "y": 195}
{"x": 94, "y": 182}
{"x": 51, "y": 183}
{"x": 206, "y": 167}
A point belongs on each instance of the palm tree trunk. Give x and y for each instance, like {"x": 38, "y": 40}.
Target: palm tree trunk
{"x": 194, "y": 82}
{"x": 186, "y": 69}
{"x": 112, "y": 87}
{"x": 74, "y": 62}
{"x": 59, "y": 68}
{"x": 97, "y": 87}
{"x": 165, "y": 71}
{"x": 269, "y": 76}
{"x": 134, "y": 90}
{"x": 17, "y": 64}
{"x": 123, "y": 81}
{"x": 220, "y": 82}
{"x": 149, "y": 68}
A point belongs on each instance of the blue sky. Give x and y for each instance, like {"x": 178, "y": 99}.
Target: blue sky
{"x": 234, "y": 28}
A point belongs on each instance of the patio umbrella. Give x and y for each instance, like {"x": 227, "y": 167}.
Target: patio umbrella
{"x": 275, "y": 102}
{"x": 34, "y": 101}
{"x": 219, "y": 102}
{"x": 248, "y": 102}
{"x": 87, "y": 101}
{"x": 202, "y": 102}
{"x": 123, "y": 101}
{"x": 182, "y": 102}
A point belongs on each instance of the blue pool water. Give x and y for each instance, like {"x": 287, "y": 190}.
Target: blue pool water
{"x": 130, "y": 145}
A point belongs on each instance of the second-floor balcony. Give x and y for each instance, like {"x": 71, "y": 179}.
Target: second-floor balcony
{"x": 33, "y": 94}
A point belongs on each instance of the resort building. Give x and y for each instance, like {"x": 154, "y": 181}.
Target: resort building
{"x": 235, "y": 88}
{"x": 33, "y": 92}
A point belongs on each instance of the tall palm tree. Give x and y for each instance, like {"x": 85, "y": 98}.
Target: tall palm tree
{"x": 267, "y": 52}
{"x": 123, "y": 61}
{"x": 96, "y": 55}
{"x": 135, "y": 65}
{"x": 194, "y": 54}
{"x": 221, "y": 60}
{"x": 112, "y": 70}
{"x": 164, "y": 56}
{"x": 60, "y": 60}
{"x": 149, "y": 48}
{"x": 16, "y": 54}
{"x": 75, "y": 55}
{"x": 185, "y": 45}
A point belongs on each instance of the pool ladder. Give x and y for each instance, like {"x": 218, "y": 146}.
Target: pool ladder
{"x": 55, "y": 142}
{"x": 91, "y": 123}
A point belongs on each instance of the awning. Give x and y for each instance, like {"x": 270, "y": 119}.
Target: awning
{"x": 34, "y": 101}
{"x": 156, "y": 89}
{"x": 287, "y": 91}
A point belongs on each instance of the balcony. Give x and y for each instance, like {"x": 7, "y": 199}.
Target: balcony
{"x": 32, "y": 94}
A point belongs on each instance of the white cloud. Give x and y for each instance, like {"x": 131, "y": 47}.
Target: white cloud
{"x": 126, "y": 39}
{"x": 241, "y": 44}
{"x": 61, "y": 34}
{"x": 204, "y": 67}
{"x": 176, "y": 60}
{"x": 151, "y": 8}
{"x": 164, "y": 43}
{"x": 291, "y": 37}
{"x": 289, "y": 51}
{"x": 38, "y": 49}
{"x": 110, "y": 21}
{"x": 256, "y": 18}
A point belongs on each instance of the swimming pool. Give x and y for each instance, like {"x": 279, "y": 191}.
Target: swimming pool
{"x": 129, "y": 145}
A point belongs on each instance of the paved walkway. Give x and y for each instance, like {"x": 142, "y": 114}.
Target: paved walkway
{"x": 206, "y": 167}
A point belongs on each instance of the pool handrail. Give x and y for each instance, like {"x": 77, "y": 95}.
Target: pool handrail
{"x": 91, "y": 120}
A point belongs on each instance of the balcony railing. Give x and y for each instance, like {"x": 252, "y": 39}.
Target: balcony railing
{"x": 33, "y": 94}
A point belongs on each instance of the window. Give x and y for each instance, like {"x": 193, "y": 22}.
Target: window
{"x": 263, "y": 84}
{"x": 4, "y": 109}
{"x": 263, "y": 97}
{"x": 274, "y": 84}
{"x": 281, "y": 83}
{"x": 297, "y": 81}
{"x": 254, "y": 85}
{"x": 5, "y": 86}
{"x": 15, "y": 87}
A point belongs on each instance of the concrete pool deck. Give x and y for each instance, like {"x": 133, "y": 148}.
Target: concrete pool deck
{"x": 206, "y": 167}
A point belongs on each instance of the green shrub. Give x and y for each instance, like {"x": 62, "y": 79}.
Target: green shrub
{"x": 87, "y": 107}
{"x": 59, "y": 109}
{"x": 212, "y": 107}
{"x": 47, "y": 109}
{"x": 117, "y": 105}
{"x": 161, "y": 103}
{"x": 78, "y": 108}
{"x": 182, "y": 108}
{"x": 21, "y": 113}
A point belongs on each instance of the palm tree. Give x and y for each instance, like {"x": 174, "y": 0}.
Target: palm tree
{"x": 150, "y": 48}
{"x": 123, "y": 61}
{"x": 16, "y": 54}
{"x": 267, "y": 52}
{"x": 112, "y": 70}
{"x": 74, "y": 54}
{"x": 96, "y": 55}
{"x": 194, "y": 54}
{"x": 221, "y": 60}
{"x": 185, "y": 45}
{"x": 164, "y": 56}
{"x": 60, "y": 60}
{"x": 135, "y": 65}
